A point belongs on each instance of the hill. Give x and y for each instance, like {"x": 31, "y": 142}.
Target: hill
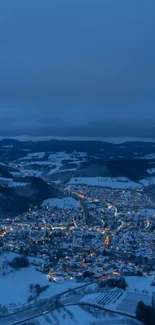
{"x": 4, "y": 172}
{"x": 134, "y": 169}
{"x": 16, "y": 200}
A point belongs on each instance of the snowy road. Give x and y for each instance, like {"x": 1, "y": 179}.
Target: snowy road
{"x": 49, "y": 306}
{"x": 39, "y": 310}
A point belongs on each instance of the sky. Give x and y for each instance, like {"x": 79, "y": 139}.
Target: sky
{"x": 76, "y": 66}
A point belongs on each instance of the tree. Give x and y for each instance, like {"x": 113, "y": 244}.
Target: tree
{"x": 37, "y": 289}
{"x": 19, "y": 262}
{"x": 87, "y": 274}
{"x": 31, "y": 287}
{"x": 57, "y": 303}
{"x": 30, "y": 298}
{"x": 140, "y": 311}
{"x": 122, "y": 283}
{"x": 3, "y": 310}
{"x": 145, "y": 314}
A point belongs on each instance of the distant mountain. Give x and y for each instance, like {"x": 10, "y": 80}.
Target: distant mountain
{"x": 106, "y": 150}
{"x": 9, "y": 142}
{"x": 134, "y": 160}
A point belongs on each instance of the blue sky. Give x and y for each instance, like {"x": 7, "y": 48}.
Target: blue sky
{"x": 77, "y": 62}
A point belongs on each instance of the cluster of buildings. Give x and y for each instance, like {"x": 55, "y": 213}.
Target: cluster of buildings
{"x": 111, "y": 233}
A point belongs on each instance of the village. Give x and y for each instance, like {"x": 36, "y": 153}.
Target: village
{"x": 109, "y": 232}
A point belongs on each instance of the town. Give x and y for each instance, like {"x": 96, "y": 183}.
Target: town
{"x": 108, "y": 232}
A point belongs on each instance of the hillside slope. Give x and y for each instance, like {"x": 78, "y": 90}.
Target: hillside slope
{"x": 16, "y": 200}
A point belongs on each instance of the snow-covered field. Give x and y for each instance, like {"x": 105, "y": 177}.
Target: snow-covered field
{"x": 15, "y": 289}
{"x": 129, "y": 303}
{"x": 37, "y": 155}
{"x": 64, "y": 203}
{"x": 14, "y": 184}
{"x": 76, "y": 315}
{"x": 106, "y": 298}
{"x": 64, "y": 155}
{"x": 38, "y": 162}
{"x": 139, "y": 289}
{"x": 67, "y": 316}
{"x": 11, "y": 183}
{"x": 150, "y": 156}
{"x": 118, "y": 182}
{"x": 151, "y": 170}
{"x": 37, "y": 173}
{"x": 54, "y": 159}
{"x": 147, "y": 181}
{"x": 15, "y": 284}
{"x": 57, "y": 158}
{"x": 140, "y": 283}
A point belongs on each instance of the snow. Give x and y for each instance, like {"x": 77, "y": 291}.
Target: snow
{"x": 11, "y": 183}
{"x": 67, "y": 170}
{"x": 75, "y": 315}
{"x": 151, "y": 170}
{"x": 68, "y": 316}
{"x": 139, "y": 289}
{"x": 81, "y": 154}
{"x": 58, "y": 157}
{"x": 150, "y": 156}
{"x": 118, "y": 182}
{"x": 56, "y": 169}
{"x": 14, "y": 184}
{"x": 33, "y": 172}
{"x": 140, "y": 283}
{"x": 16, "y": 173}
{"x": 34, "y": 155}
{"x": 57, "y": 181}
{"x": 107, "y": 298}
{"x": 44, "y": 162}
{"x": 15, "y": 286}
{"x": 147, "y": 181}
{"x": 2, "y": 164}
{"x": 117, "y": 321}
{"x": 38, "y": 162}
{"x": 5, "y": 179}
{"x": 63, "y": 203}
{"x": 53, "y": 159}
{"x": 129, "y": 303}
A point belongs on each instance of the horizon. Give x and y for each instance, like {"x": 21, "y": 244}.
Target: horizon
{"x": 115, "y": 140}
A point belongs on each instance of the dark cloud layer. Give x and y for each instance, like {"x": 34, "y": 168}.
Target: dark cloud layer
{"x": 76, "y": 62}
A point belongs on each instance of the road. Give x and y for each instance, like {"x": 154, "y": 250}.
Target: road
{"x": 40, "y": 308}
{"x": 50, "y": 307}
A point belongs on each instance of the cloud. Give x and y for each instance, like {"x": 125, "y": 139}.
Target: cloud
{"x": 76, "y": 61}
